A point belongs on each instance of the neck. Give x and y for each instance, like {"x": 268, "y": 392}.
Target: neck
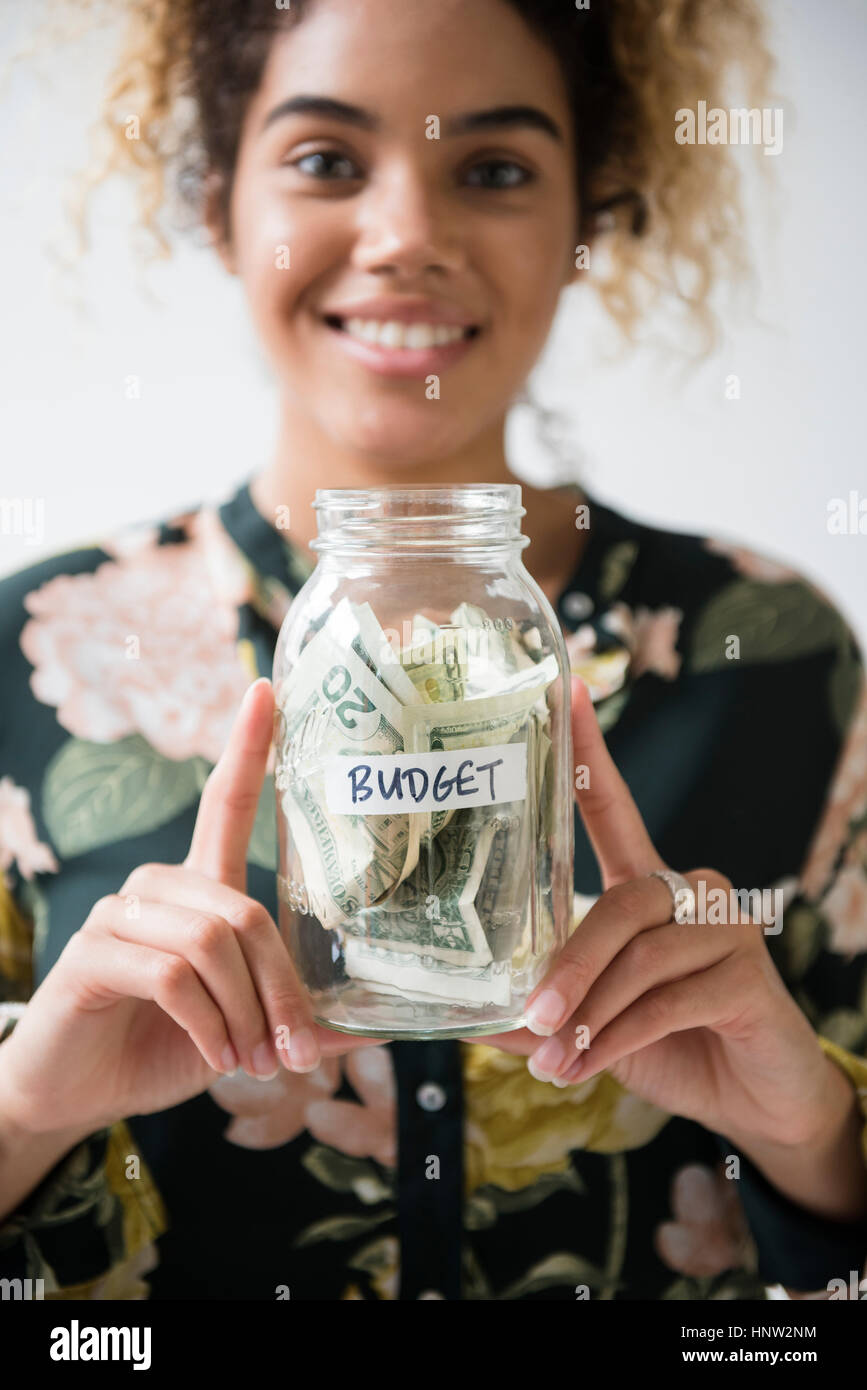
{"x": 306, "y": 458}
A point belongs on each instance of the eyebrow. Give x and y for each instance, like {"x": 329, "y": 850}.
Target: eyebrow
{"x": 496, "y": 118}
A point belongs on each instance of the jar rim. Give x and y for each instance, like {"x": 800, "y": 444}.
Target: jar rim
{"x": 504, "y": 498}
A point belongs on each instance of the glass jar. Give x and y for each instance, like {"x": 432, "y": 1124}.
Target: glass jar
{"x": 423, "y": 765}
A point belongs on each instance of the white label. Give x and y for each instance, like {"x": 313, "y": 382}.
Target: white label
{"x": 389, "y": 782}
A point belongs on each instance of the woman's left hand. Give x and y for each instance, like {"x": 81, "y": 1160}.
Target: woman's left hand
{"x": 692, "y": 1017}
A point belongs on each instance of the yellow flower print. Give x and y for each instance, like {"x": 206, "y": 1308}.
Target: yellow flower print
{"x": 518, "y": 1128}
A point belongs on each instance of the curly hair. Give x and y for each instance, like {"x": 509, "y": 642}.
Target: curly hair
{"x": 670, "y": 215}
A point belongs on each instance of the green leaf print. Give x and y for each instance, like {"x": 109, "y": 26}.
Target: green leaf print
{"x": 772, "y": 621}
{"x": 559, "y": 1268}
{"x": 35, "y": 904}
{"x": 801, "y": 939}
{"x": 486, "y": 1203}
{"x": 609, "y": 709}
{"x": 340, "y": 1228}
{"x": 846, "y": 1027}
{"x": 96, "y": 793}
{"x": 346, "y": 1173}
{"x": 376, "y": 1258}
{"x": 616, "y": 569}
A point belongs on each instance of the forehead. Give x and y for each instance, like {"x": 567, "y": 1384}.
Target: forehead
{"x": 421, "y": 57}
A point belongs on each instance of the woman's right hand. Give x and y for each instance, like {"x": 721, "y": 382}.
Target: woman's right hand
{"x": 173, "y": 980}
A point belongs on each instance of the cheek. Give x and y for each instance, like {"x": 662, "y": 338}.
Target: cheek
{"x": 533, "y": 267}
{"x": 280, "y": 274}
{"x": 279, "y": 255}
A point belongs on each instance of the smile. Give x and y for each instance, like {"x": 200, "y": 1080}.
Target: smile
{"x": 395, "y": 348}
{"x": 389, "y": 333}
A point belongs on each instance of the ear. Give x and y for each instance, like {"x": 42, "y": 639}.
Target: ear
{"x": 212, "y": 217}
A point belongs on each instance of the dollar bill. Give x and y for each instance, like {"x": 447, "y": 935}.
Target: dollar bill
{"x": 334, "y": 705}
{"x": 380, "y": 966}
{"x": 427, "y": 904}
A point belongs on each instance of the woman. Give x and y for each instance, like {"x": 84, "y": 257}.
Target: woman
{"x": 374, "y": 170}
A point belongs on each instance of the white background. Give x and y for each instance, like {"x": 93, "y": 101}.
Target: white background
{"x": 660, "y": 446}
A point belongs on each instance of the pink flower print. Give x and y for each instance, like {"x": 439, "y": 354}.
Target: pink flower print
{"x": 181, "y": 689}
{"x": 270, "y": 1113}
{"x": 18, "y": 840}
{"x": 655, "y": 638}
{"x": 229, "y": 572}
{"x": 580, "y": 644}
{"x": 844, "y": 905}
{"x": 368, "y": 1129}
{"x": 750, "y": 564}
{"x": 709, "y": 1233}
{"x": 650, "y": 635}
{"x": 846, "y": 801}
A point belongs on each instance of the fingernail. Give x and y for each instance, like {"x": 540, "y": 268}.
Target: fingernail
{"x": 547, "y": 1060}
{"x": 229, "y": 1058}
{"x": 304, "y": 1052}
{"x": 544, "y": 1015}
{"x": 248, "y": 693}
{"x": 263, "y": 1061}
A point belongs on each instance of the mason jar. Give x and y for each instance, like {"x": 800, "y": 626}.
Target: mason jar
{"x": 422, "y": 765}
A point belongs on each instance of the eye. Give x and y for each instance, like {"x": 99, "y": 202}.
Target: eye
{"x": 498, "y": 173}
{"x": 326, "y": 165}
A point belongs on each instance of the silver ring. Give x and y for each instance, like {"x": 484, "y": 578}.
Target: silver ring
{"x": 682, "y": 894}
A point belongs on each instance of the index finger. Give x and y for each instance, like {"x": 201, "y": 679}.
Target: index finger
{"x": 611, "y": 818}
{"x": 230, "y": 796}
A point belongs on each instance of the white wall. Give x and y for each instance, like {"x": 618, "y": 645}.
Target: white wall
{"x": 672, "y": 450}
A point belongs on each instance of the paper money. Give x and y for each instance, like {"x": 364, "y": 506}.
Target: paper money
{"x": 432, "y": 904}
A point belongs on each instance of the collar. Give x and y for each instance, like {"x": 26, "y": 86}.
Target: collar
{"x": 597, "y": 623}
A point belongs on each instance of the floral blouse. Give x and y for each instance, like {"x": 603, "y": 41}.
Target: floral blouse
{"x": 122, "y": 665}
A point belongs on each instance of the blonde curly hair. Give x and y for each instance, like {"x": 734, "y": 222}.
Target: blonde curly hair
{"x": 670, "y": 215}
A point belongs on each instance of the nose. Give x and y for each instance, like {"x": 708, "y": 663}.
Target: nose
{"x": 406, "y": 224}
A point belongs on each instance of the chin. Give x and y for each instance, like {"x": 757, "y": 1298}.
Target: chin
{"x": 401, "y": 444}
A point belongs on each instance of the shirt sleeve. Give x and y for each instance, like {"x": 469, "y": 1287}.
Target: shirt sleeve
{"x": 821, "y": 953}
{"x": 88, "y": 1229}
{"x": 796, "y": 1248}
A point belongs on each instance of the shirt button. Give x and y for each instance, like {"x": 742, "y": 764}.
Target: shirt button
{"x": 576, "y": 605}
{"x": 430, "y": 1096}
{"x": 431, "y": 1293}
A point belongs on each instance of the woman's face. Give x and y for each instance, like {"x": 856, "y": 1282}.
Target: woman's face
{"x": 403, "y": 248}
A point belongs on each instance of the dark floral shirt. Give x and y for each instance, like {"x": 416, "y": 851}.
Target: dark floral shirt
{"x": 122, "y": 665}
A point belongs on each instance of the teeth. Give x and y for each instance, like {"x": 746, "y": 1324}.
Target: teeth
{"x": 392, "y": 334}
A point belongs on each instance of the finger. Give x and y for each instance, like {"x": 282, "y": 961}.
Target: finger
{"x": 652, "y": 958}
{"x": 284, "y": 1000}
{"x": 611, "y": 818}
{"x": 703, "y": 1000}
{"x": 207, "y": 941}
{"x": 334, "y": 1044}
{"x": 106, "y": 970}
{"x": 230, "y": 796}
{"x": 613, "y": 920}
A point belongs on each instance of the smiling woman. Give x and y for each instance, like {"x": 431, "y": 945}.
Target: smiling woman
{"x": 403, "y": 190}
{"x": 190, "y": 67}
